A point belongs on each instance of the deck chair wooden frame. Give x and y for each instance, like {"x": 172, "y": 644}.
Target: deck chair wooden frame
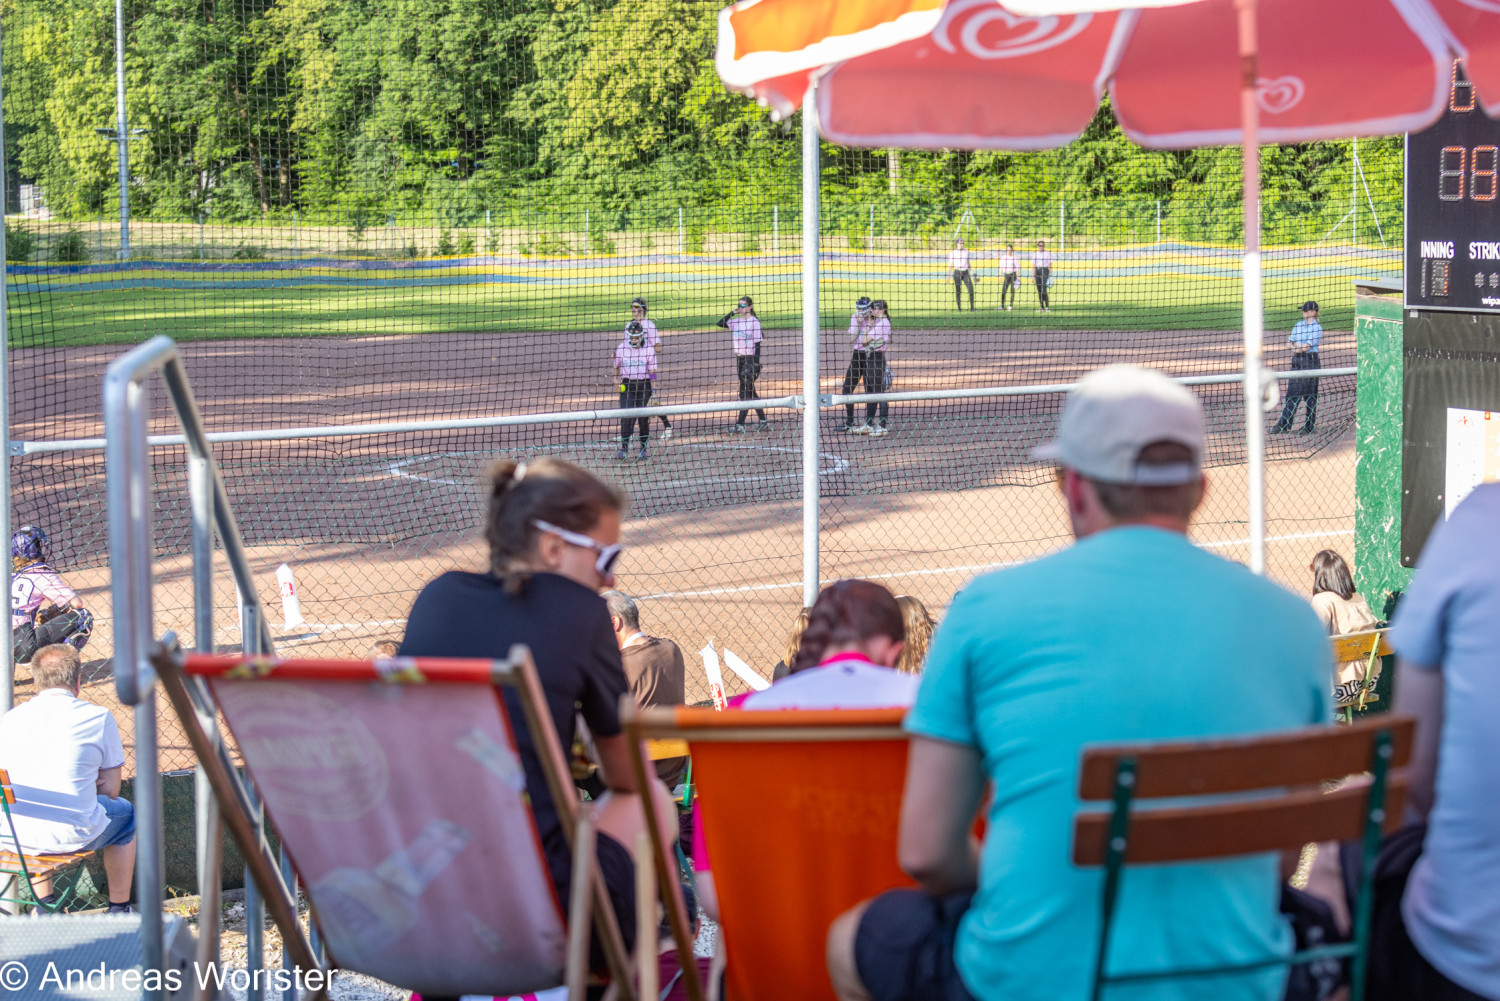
{"x": 33, "y": 866}
{"x": 1289, "y": 810}
{"x": 699, "y": 727}
{"x": 1367, "y": 646}
{"x": 517, "y": 672}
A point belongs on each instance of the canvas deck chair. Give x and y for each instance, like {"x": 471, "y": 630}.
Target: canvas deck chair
{"x": 400, "y": 799}
{"x": 800, "y": 812}
{"x": 1288, "y": 808}
{"x": 31, "y": 868}
{"x": 1371, "y": 647}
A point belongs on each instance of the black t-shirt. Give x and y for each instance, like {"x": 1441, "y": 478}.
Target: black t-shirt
{"x": 567, "y": 627}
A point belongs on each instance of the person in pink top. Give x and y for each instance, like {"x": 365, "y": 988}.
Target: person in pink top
{"x": 958, "y": 263}
{"x": 847, "y": 660}
{"x": 745, "y": 335}
{"x": 635, "y": 367}
{"x": 43, "y": 609}
{"x": 638, "y": 311}
{"x": 1010, "y": 270}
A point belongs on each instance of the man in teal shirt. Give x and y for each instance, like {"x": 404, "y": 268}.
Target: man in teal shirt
{"x": 1131, "y": 634}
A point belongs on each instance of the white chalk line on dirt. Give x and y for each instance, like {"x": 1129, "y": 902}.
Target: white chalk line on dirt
{"x": 967, "y": 568}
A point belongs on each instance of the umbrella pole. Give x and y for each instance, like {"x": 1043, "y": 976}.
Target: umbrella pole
{"x": 1254, "y": 317}
{"x": 811, "y": 407}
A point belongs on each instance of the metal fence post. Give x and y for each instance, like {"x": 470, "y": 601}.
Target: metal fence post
{"x": 122, "y": 134}
{"x": 679, "y": 231}
{"x": 811, "y": 409}
{"x": 775, "y": 230}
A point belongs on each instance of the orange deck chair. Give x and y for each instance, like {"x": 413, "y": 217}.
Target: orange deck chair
{"x": 800, "y": 811}
{"x": 400, "y": 798}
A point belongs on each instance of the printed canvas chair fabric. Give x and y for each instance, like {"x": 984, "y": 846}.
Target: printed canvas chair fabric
{"x": 801, "y": 825}
{"x": 404, "y": 810}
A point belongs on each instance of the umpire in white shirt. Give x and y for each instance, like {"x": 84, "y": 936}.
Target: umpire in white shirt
{"x": 64, "y": 757}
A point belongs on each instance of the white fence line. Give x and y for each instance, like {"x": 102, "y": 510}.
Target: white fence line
{"x": 22, "y": 448}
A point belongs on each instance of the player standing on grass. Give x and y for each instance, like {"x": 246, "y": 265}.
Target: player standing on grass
{"x": 958, "y": 263}
{"x": 744, "y": 328}
{"x": 653, "y": 341}
{"x": 43, "y": 610}
{"x": 1041, "y": 271}
{"x": 635, "y": 367}
{"x": 1010, "y": 270}
{"x": 859, "y": 323}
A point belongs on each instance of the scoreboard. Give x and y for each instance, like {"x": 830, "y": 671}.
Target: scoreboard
{"x": 1452, "y": 208}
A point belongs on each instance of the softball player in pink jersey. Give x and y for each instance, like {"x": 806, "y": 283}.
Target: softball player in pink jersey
{"x": 744, "y": 328}
{"x": 638, "y": 311}
{"x": 635, "y": 367}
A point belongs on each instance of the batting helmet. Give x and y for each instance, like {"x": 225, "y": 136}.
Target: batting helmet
{"x": 636, "y": 333}
{"x": 28, "y": 544}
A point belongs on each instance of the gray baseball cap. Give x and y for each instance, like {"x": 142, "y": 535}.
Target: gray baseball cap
{"x": 1116, "y": 411}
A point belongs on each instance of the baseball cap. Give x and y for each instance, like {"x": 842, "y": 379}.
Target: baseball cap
{"x": 1309, "y": 304}
{"x": 1116, "y": 411}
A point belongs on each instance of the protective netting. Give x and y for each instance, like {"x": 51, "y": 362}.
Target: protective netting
{"x": 349, "y": 211}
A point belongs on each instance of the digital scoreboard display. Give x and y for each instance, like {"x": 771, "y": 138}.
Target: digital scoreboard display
{"x": 1452, "y": 208}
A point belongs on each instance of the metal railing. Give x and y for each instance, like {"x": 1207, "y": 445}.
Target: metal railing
{"x": 132, "y": 558}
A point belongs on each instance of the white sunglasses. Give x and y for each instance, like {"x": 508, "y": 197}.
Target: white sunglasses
{"x": 608, "y": 555}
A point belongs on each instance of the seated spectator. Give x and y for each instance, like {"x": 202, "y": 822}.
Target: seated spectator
{"x": 846, "y": 660}
{"x": 64, "y": 758}
{"x": 1343, "y": 611}
{"x": 654, "y": 668}
{"x": 43, "y": 610}
{"x": 793, "y": 640}
{"x": 1132, "y": 634}
{"x": 554, "y": 538}
{"x": 383, "y": 648}
{"x": 1436, "y": 930}
{"x": 919, "y": 627}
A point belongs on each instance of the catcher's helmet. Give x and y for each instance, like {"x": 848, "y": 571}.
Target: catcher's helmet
{"x": 29, "y": 544}
{"x": 636, "y": 333}
{"x": 638, "y": 301}
{"x": 862, "y": 304}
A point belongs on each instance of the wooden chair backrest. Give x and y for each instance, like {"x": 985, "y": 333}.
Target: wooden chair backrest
{"x": 800, "y": 811}
{"x": 391, "y": 800}
{"x": 1286, "y": 766}
{"x": 1356, "y": 646}
{"x": 6, "y": 792}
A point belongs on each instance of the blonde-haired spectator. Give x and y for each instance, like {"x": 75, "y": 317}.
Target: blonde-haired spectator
{"x": 919, "y": 627}
{"x": 793, "y": 643}
{"x": 384, "y": 648}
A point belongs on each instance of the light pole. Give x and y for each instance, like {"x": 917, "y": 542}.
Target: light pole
{"x": 121, "y": 135}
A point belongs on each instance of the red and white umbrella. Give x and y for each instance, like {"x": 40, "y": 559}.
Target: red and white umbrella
{"x": 1029, "y": 74}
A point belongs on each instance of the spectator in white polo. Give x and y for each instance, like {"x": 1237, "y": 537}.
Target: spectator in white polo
{"x": 64, "y": 757}
{"x": 1436, "y": 929}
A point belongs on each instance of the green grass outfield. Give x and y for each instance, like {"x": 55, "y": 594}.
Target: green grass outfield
{"x": 59, "y": 315}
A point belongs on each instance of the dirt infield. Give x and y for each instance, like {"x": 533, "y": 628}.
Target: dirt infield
{"x": 714, "y": 532}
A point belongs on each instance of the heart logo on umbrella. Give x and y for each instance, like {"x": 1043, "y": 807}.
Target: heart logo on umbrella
{"x": 988, "y": 31}
{"x": 1280, "y": 94}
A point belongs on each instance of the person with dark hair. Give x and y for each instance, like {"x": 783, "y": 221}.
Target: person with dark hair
{"x": 1086, "y": 646}
{"x": 746, "y": 338}
{"x": 859, "y": 324}
{"x": 43, "y": 610}
{"x": 638, "y": 312}
{"x": 635, "y": 367}
{"x": 877, "y": 340}
{"x": 1305, "y": 338}
{"x": 655, "y": 668}
{"x": 553, "y": 533}
{"x": 1342, "y": 611}
{"x": 958, "y": 264}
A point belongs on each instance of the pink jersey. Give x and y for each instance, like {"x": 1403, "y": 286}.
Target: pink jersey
{"x": 30, "y": 587}
{"x": 876, "y": 336}
{"x": 635, "y": 363}
{"x": 746, "y": 334}
{"x": 1041, "y": 259}
{"x": 1009, "y": 263}
{"x": 857, "y": 325}
{"x": 959, "y": 260}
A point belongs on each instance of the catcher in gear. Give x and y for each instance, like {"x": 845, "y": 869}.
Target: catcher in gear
{"x": 638, "y": 311}
{"x": 43, "y": 610}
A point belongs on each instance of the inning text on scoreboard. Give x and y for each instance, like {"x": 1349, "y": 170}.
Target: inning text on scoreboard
{"x": 1452, "y": 209}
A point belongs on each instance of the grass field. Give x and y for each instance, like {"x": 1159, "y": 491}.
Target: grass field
{"x": 59, "y": 316}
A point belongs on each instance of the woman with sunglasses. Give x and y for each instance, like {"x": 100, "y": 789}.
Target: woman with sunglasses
{"x": 744, "y": 328}
{"x": 553, "y": 533}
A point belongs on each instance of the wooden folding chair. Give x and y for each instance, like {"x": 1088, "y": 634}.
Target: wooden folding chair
{"x": 1288, "y": 809}
{"x": 33, "y": 867}
{"x": 1368, "y": 647}
{"x": 400, "y": 798}
{"x": 800, "y": 811}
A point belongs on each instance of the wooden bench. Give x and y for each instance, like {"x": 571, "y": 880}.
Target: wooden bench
{"x": 1360, "y": 646}
{"x": 31, "y": 868}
